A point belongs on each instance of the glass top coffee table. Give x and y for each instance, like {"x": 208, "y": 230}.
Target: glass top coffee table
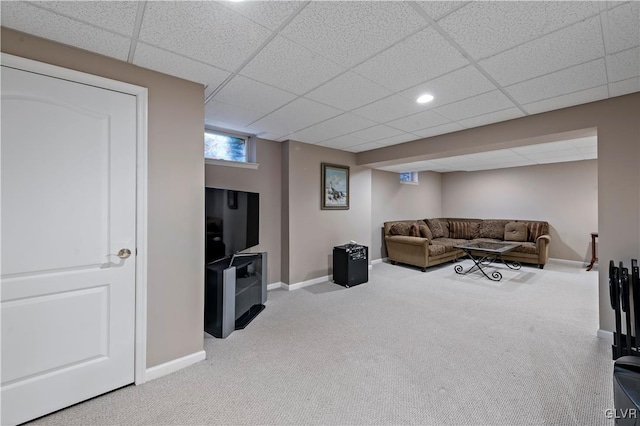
{"x": 484, "y": 253}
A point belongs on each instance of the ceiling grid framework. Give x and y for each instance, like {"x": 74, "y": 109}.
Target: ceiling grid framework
{"x": 346, "y": 74}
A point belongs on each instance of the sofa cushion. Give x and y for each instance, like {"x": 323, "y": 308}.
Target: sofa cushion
{"x": 459, "y": 230}
{"x": 515, "y": 231}
{"x": 414, "y": 231}
{"x": 486, "y": 240}
{"x": 400, "y": 228}
{"x": 536, "y": 229}
{"x": 492, "y": 229}
{"x": 436, "y": 250}
{"x": 526, "y": 247}
{"x": 436, "y": 227}
{"x": 449, "y": 243}
{"x": 474, "y": 228}
{"x": 425, "y": 232}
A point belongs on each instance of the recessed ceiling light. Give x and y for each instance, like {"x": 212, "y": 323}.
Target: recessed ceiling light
{"x": 423, "y": 99}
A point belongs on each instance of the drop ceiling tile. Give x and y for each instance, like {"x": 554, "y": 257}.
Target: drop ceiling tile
{"x": 118, "y": 16}
{"x": 270, "y": 14}
{"x": 589, "y": 152}
{"x": 388, "y": 109}
{"x": 438, "y": 130}
{"x": 364, "y": 147}
{"x": 418, "y": 121}
{"x": 493, "y": 117}
{"x": 574, "y": 79}
{"x": 377, "y": 132}
{"x": 624, "y": 87}
{"x": 295, "y": 116}
{"x": 486, "y": 28}
{"x": 348, "y": 91}
{"x": 624, "y": 22}
{"x": 564, "y": 101}
{"x": 419, "y": 58}
{"x": 558, "y": 159}
{"x": 541, "y": 149}
{"x": 291, "y": 67}
{"x": 169, "y": 63}
{"x": 394, "y": 140}
{"x": 579, "y": 43}
{"x": 624, "y": 65}
{"x": 475, "y": 106}
{"x": 508, "y": 165}
{"x": 368, "y": 26}
{"x": 460, "y": 84}
{"x": 269, "y": 136}
{"x": 230, "y": 117}
{"x": 331, "y": 128}
{"x": 343, "y": 142}
{"x": 586, "y": 143}
{"x": 39, "y": 22}
{"x": 438, "y": 9}
{"x": 243, "y": 91}
{"x": 202, "y": 30}
{"x": 564, "y": 153}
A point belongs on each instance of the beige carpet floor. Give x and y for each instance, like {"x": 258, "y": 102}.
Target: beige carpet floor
{"x": 407, "y": 347}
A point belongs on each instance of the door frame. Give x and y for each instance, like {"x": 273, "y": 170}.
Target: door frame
{"x": 141, "y": 94}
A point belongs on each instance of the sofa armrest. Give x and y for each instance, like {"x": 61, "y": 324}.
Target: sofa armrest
{"x": 542, "y": 245}
{"x": 412, "y": 241}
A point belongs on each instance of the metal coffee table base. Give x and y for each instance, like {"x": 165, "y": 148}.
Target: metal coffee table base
{"x": 484, "y": 261}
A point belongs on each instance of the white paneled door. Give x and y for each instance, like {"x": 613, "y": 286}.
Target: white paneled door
{"x": 68, "y": 210}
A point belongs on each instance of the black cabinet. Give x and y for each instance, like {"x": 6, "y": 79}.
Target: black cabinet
{"x": 350, "y": 265}
{"x": 235, "y": 292}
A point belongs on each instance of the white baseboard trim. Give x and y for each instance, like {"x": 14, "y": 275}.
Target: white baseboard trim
{"x": 568, "y": 262}
{"x": 274, "y": 286}
{"x": 307, "y": 283}
{"x": 376, "y": 261}
{"x": 606, "y": 335}
{"x": 173, "y": 366}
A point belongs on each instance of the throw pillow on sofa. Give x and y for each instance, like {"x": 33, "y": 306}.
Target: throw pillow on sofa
{"x": 516, "y": 231}
{"x": 459, "y": 230}
{"x": 414, "y": 231}
{"x": 493, "y": 229}
{"x": 536, "y": 229}
{"x": 436, "y": 228}
{"x": 400, "y": 229}
{"x": 425, "y": 232}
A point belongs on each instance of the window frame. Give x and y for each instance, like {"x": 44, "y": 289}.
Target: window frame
{"x": 413, "y": 181}
{"x": 250, "y": 151}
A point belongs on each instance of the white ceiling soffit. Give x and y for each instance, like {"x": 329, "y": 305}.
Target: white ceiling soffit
{"x": 347, "y": 74}
{"x": 553, "y": 152}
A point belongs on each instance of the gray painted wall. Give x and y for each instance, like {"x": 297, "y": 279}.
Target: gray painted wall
{"x": 563, "y": 194}
{"x": 266, "y": 180}
{"x": 312, "y": 232}
{"x": 392, "y": 200}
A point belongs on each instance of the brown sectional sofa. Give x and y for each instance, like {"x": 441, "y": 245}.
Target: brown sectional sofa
{"x": 429, "y": 242}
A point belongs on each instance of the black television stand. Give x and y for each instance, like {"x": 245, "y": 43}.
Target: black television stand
{"x": 235, "y": 292}
{"x": 248, "y": 316}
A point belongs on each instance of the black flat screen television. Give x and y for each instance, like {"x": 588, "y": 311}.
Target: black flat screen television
{"x": 232, "y": 222}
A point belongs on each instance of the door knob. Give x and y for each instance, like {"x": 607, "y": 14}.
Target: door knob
{"x": 124, "y": 253}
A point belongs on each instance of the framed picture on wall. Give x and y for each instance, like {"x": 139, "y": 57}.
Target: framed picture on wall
{"x": 335, "y": 187}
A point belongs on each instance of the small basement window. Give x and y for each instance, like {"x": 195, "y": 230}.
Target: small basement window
{"x": 410, "y": 178}
{"x": 227, "y": 149}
